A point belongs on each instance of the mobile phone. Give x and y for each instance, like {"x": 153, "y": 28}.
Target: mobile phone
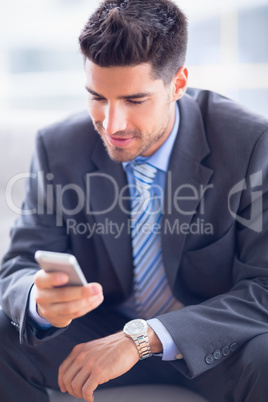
{"x": 60, "y": 262}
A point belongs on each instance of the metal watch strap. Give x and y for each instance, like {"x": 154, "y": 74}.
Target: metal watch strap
{"x": 142, "y": 343}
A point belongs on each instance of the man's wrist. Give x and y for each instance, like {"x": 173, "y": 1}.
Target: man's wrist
{"x": 170, "y": 349}
{"x": 33, "y": 311}
{"x": 154, "y": 342}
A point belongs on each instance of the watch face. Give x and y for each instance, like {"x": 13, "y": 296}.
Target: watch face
{"x": 136, "y": 327}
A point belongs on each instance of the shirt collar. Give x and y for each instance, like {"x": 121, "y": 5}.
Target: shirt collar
{"x": 160, "y": 159}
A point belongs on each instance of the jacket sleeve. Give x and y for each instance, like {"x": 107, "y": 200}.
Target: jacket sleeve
{"x": 35, "y": 229}
{"x": 208, "y": 333}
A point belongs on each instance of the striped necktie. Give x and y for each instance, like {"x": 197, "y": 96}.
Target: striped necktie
{"x": 152, "y": 292}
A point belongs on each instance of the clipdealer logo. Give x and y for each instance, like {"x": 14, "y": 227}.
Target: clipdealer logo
{"x": 183, "y": 199}
{"x": 255, "y": 222}
{"x": 69, "y": 199}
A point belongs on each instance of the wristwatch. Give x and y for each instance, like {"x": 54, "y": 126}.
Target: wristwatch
{"x": 138, "y": 331}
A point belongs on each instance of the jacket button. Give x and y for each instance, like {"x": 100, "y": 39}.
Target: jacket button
{"x": 209, "y": 359}
{"x": 217, "y": 355}
{"x": 15, "y": 325}
{"x": 233, "y": 347}
{"x": 225, "y": 351}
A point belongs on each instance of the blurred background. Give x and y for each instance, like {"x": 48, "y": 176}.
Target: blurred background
{"x": 42, "y": 77}
{"x": 41, "y": 69}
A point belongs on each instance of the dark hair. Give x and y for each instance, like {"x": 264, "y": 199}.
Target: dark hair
{"x": 130, "y": 32}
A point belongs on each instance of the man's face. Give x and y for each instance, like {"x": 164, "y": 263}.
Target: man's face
{"x": 132, "y": 112}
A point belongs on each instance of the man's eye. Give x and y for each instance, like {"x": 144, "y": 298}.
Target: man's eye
{"x": 135, "y": 102}
{"x": 97, "y": 99}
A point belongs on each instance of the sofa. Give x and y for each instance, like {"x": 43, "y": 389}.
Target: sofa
{"x": 16, "y": 146}
{"x": 137, "y": 393}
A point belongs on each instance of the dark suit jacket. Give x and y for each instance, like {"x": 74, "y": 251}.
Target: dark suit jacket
{"x": 214, "y": 241}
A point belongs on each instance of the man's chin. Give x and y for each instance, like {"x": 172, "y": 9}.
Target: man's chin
{"x": 120, "y": 154}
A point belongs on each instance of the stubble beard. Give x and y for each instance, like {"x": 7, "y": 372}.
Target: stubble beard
{"x": 118, "y": 154}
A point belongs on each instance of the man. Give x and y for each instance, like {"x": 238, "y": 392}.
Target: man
{"x": 162, "y": 197}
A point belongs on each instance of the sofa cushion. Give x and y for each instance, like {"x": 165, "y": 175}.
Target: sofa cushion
{"x": 141, "y": 393}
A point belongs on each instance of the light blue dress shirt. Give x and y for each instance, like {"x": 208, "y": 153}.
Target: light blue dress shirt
{"x": 160, "y": 160}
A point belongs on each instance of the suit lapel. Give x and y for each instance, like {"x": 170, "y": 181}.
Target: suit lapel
{"x": 186, "y": 178}
{"x": 111, "y": 218}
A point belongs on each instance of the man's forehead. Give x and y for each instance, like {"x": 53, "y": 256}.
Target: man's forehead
{"x": 121, "y": 81}
{"x": 140, "y": 73}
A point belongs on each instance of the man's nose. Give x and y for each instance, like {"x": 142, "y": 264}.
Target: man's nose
{"x": 115, "y": 120}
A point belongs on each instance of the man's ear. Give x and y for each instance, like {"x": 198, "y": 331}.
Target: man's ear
{"x": 179, "y": 83}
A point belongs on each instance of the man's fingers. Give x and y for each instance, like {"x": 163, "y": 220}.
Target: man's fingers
{"x": 44, "y": 280}
{"x": 75, "y": 382}
{"x": 68, "y": 293}
{"x": 63, "y": 369}
{"x": 96, "y": 362}
{"x": 80, "y": 384}
{"x": 60, "y": 305}
{"x": 74, "y": 309}
{"x": 67, "y": 375}
{"x": 72, "y": 382}
{"x": 94, "y": 288}
{"x": 89, "y": 387}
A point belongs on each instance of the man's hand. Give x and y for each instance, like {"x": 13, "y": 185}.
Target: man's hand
{"x": 60, "y": 305}
{"x": 96, "y": 362}
{"x": 93, "y": 363}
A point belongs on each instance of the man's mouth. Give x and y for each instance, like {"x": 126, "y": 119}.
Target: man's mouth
{"x": 119, "y": 141}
